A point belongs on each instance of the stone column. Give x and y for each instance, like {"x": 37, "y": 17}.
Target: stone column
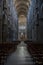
{"x": 1, "y": 13}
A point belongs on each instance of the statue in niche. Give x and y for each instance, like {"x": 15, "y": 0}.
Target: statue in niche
{"x": 42, "y": 8}
{"x": 41, "y": 11}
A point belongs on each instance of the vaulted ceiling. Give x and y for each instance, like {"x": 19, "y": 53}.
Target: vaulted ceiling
{"x": 22, "y": 6}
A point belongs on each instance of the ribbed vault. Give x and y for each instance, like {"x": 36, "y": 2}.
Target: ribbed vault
{"x": 22, "y": 6}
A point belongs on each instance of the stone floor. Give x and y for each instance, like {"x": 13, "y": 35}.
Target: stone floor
{"x": 20, "y": 57}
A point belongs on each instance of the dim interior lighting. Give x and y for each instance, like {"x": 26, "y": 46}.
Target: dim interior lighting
{"x": 22, "y": 50}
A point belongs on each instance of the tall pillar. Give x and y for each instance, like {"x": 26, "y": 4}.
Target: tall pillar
{"x": 4, "y": 22}
{"x": 40, "y": 21}
{"x": 13, "y": 19}
{"x": 1, "y": 13}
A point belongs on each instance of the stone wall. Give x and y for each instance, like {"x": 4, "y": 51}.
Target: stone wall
{"x": 8, "y": 21}
{"x": 35, "y": 21}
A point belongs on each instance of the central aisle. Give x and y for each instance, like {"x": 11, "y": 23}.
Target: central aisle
{"x": 21, "y": 56}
